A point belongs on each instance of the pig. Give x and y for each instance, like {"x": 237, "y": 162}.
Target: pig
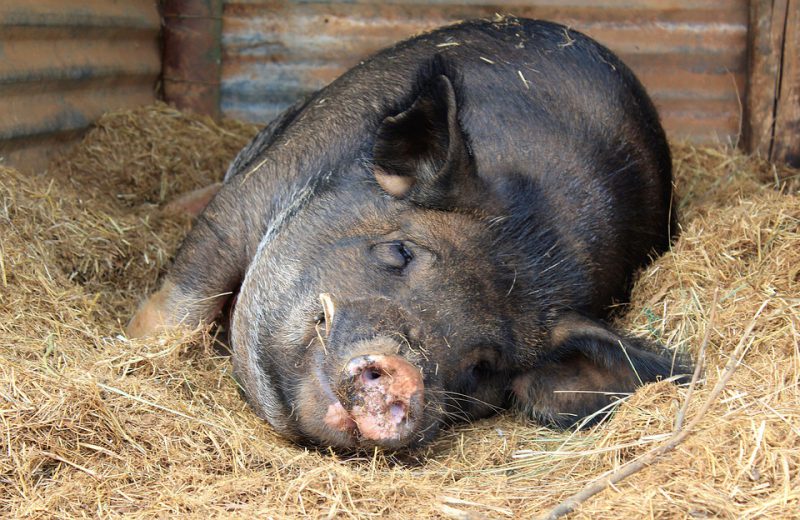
{"x": 435, "y": 236}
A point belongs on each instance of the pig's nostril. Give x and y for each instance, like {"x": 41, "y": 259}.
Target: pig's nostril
{"x": 371, "y": 374}
{"x": 397, "y": 412}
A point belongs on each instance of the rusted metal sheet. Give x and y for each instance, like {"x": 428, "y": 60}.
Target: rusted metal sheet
{"x": 690, "y": 54}
{"x": 191, "y": 42}
{"x": 65, "y": 62}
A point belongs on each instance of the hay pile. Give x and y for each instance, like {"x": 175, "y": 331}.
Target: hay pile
{"x": 94, "y": 424}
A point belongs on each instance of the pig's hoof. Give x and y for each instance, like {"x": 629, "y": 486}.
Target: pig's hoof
{"x": 151, "y": 318}
{"x": 385, "y": 395}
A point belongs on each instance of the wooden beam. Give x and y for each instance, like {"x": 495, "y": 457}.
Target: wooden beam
{"x": 772, "y": 109}
{"x": 786, "y": 141}
{"x": 192, "y": 57}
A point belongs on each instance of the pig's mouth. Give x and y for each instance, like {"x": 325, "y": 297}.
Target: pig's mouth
{"x": 336, "y": 417}
{"x": 378, "y": 401}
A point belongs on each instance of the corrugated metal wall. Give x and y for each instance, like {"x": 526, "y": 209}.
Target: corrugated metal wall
{"x": 65, "y": 62}
{"x": 690, "y": 54}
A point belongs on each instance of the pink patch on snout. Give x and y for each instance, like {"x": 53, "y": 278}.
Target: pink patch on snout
{"x": 338, "y": 418}
{"x": 397, "y": 412}
{"x": 386, "y": 391}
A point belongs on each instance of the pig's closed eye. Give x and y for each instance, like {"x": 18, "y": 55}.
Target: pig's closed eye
{"x": 473, "y": 375}
{"x": 395, "y": 255}
{"x": 480, "y": 370}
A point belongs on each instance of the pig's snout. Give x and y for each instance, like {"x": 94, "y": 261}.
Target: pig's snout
{"x": 384, "y": 396}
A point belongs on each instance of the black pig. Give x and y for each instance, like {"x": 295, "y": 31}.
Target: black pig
{"x": 435, "y": 235}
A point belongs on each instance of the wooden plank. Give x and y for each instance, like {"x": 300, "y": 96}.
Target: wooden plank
{"x": 786, "y": 140}
{"x": 191, "y": 42}
{"x": 765, "y": 39}
{"x": 772, "y": 111}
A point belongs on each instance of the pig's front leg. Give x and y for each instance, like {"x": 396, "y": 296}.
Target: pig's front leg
{"x": 210, "y": 264}
{"x": 590, "y": 366}
{"x": 157, "y": 313}
{"x": 207, "y": 270}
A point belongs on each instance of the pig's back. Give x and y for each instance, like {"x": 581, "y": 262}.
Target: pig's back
{"x": 535, "y": 100}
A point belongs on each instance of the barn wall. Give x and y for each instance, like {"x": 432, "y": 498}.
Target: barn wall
{"x": 690, "y": 54}
{"x": 772, "y": 111}
{"x": 65, "y": 62}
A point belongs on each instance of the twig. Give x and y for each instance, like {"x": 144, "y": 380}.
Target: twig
{"x": 70, "y": 463}
{"x": 459, "y": 502}
{"x": 677, "y": 437}
{"x": 701, "y": 357}
{"x": 160, "y": 407}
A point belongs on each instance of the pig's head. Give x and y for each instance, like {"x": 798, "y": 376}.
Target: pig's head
{"x": 415, "y": 294}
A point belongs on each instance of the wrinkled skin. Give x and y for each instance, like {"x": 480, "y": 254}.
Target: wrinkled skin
{"x": 434, "y": 237}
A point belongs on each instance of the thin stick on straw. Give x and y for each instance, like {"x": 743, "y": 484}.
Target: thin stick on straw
{"x": 677, "y": 437}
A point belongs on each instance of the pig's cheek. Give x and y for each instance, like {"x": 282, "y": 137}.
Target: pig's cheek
{"x": 338, "y": 419}
{"x": 322, "y": 417}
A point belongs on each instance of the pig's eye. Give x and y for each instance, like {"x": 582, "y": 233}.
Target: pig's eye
{"x": 479, "y": 370}
{"x": 396, "y": 255}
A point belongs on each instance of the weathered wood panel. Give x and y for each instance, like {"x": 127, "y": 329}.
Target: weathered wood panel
{"x": 191, "y": 41}
{"x": 786, "y": 140}
{"x": 691, "y": 55}
{"x": 772, "y": 122}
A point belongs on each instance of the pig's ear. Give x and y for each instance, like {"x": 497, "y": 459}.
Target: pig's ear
{"x": 421, "y": 154}
{"x": 588, "y": 367}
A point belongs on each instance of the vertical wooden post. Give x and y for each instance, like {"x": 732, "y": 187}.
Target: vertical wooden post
{"x": 786, "y": 144}
{"x": 192, "y": 54}
{"x": 772, "y": 117}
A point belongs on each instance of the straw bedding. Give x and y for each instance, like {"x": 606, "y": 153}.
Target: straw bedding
{"x": 93, "y": 424}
